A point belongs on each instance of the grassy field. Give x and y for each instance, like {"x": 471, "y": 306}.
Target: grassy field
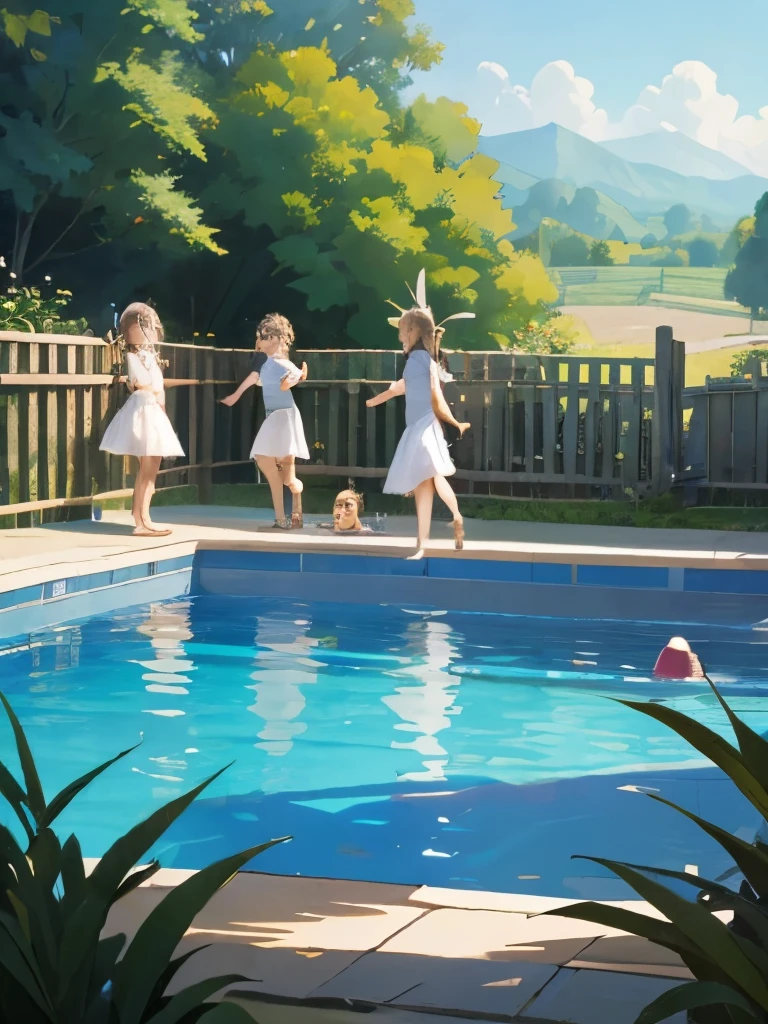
{"x": 659, "y": 513}
{"x": 626, "y": 286}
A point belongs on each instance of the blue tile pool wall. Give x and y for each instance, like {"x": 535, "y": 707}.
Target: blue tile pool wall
{"x": 711, "y": 581}
{"x": 43, "y": 604}
{"x": 650, "y": 593}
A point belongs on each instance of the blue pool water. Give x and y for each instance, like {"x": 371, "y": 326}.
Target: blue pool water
{"x": 394, "y": 744}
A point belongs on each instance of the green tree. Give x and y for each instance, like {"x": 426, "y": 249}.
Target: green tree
{"x": 677, "y": 220}
{"x": 97, "y": 124}
{"x": 600, "y": 254}
{"x": 747, "y": 281}
{"x": 571, "y": 251}
{"x": 702, "y": 252}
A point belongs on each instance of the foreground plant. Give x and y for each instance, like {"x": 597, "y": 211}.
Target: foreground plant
{"x": 728, "y": 961}
{"x": 55, "y": 968}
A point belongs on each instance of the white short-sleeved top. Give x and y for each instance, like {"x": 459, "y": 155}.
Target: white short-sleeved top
{"x": 143, "y": 370}
{"x": 271, "y": 375}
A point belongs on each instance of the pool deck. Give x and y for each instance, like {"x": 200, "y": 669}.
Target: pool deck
{"x": 41, "y": 554}
{"x": 323, "y": 949}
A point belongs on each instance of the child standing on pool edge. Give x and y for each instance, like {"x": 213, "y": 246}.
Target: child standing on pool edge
{"x": 280, "y": 440}
{"x": 142, "y": 428}
{"x": 422, "y": 463}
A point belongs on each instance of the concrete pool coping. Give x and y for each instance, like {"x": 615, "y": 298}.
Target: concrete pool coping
{"x": 41, "y": 554}
{"x": 333, "y": 948}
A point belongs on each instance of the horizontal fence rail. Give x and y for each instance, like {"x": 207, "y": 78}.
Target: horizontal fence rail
{"x": 540, "y": 424}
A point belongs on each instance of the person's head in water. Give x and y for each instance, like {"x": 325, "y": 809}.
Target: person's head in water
{"x": 417, "y": 327}
{"x": 140, "y": 326}
{"x": 274, "y": 336}
{"x": 346, "y": 511}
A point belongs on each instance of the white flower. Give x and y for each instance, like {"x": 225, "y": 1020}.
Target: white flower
{"x": 2, "y": 261}
{"x": 13, "y": 275}
{"x": 47, "y": 278}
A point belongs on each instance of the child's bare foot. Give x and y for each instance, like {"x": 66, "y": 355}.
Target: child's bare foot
{"x": 458, "y": 534}
{"x": 417, "y": 556}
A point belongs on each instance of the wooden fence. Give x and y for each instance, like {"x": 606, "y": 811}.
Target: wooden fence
{"x": 541, "y": 425}
{"x": 726, "y": 432}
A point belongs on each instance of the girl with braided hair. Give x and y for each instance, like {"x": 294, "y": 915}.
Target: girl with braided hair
{"x": 280, "y": 440}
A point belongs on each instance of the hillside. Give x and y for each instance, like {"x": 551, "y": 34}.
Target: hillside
{"x": 676, "y": 152}
{"x": 553, "y": 152}
{"x": 583, "y": 209}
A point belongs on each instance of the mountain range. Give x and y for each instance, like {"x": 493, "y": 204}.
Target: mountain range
{"x": 629, "y": 190}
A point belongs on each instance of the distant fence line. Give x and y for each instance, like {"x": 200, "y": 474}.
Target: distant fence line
{"x": 541, "y": 425}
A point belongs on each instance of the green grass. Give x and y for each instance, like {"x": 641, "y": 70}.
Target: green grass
{"x": 622, "y": 285}
{"x": 660, "y": 513}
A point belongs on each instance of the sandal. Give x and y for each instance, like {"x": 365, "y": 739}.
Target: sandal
{"x": 282, "y": 524}
{"x": 458, "y": 534}
{"x": 145, "y": 531}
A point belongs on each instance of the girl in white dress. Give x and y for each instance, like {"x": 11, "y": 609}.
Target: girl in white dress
{"x": 280, "y": 440}
{"x": 142, "y": 428}
{"x": 422, "y": 463}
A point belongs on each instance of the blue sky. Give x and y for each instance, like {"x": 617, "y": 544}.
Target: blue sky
{"x": 620, "y": 45}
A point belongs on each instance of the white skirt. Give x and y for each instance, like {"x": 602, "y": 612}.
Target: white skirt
{"x": 280, "y": 435}
{"x": 142, "y": 428}
{"x": 421, "y": 454}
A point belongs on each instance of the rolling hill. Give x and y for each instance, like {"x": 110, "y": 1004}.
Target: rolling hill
{"x": 643, "y": 189}
{"x": 676, "y": 152}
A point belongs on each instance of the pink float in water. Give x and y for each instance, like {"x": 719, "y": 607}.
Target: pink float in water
{"x": 677, "y": 661}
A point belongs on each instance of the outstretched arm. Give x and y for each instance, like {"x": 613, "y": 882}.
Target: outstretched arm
{"x": 440, "y": 407}
{"x": 395, "y": 389}
{"x": 250, "y": 380}
{"x": 292, "y": 378}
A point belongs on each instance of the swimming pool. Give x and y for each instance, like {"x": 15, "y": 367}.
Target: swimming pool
{"x": 394, "y": 743}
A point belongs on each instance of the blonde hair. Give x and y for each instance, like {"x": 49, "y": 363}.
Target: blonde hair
{"x": 274, "y": 325}
{"x": 422, "y": 320}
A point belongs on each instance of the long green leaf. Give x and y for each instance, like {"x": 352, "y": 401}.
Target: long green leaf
{"x": 45, "y": 853}
{"x": 167, "y": 976}
{"x": 711, "y": 745}
{"x": 226, "y": 1013}
{"x": 32, "y": 895}
{"x": 750, "y": 859}
{"x": 754, "y": 749}
{"x": 699, "y": 927}
{"x": 127, "y": 851}
{"x": 662, "y": 933}
{"x": 34, "y": 795}
{"x": 85, "y": 924}
{"x": 72, "y": 876}
{"x": 724, "y": 898}
{"x": 135, "y": 879}
{"x": 192, "y": 997}
{"x": 17, "y": 957}
{"x": 691, "y": 996}
{"x": 16, "y": 798}
{"x": 162, "y": 931}
{"x": 67, "y": 795}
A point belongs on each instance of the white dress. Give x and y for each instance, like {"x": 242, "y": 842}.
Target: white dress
{"x": 282, "y": 432}
{"x": 142, "y": 426}
{"x": 422, "y": 452}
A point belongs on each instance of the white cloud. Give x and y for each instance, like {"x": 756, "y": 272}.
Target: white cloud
{"x": 688, "y": 100}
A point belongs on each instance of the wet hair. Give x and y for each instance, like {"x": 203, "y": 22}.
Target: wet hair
{"x": 276, "y": 326}
{"x": 146, "y": 318}
{"x": 422, "y": 320}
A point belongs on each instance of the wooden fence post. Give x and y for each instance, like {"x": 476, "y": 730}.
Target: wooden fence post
{"x": 669, "y": 381}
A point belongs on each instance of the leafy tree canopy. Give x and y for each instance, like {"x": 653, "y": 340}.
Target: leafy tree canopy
{"x": 235, "y": 157}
